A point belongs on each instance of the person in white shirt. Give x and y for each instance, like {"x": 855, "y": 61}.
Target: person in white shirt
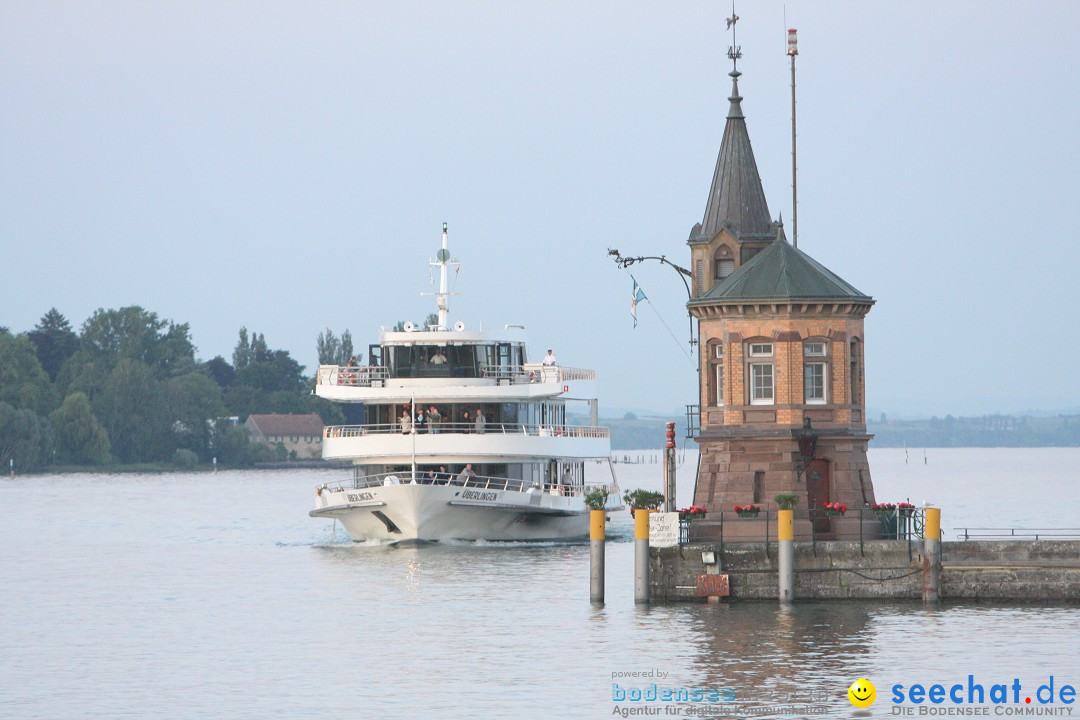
{"x": 549, "y": 359}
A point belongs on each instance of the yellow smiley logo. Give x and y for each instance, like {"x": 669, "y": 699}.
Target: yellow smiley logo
{"x": 862, "y": 693}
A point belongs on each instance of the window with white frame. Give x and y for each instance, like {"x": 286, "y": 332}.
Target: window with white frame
{"x": 716, "y": 363}
{"x": 815, "y": 372}
{"x": 814, "y": 379}
{"x": 761, "y": 349}
{"x": 761, "y": 384}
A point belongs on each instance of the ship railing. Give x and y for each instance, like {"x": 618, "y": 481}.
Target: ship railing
{"x": 353, "y": 376}
{"x": 459, "y": 479}
{"x": 536, "y": 373}
{"x": 377, "y": 375}
{"x": 490, "y": 428}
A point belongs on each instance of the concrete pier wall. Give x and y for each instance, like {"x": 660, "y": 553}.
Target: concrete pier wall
{"x": 1014, "y": 571}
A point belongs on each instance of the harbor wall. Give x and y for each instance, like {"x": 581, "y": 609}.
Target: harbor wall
{"x": 997, "y": 571}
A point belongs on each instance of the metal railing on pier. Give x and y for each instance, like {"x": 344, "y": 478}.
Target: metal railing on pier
{"x": 818, "y": 525}
{"x": 1018, "y": 533}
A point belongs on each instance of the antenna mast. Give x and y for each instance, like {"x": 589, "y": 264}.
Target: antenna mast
{"x": 440, "y": 297}
{"x": 792, "y": 51}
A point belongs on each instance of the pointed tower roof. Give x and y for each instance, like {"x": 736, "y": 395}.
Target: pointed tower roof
{"x": 736, "y": 198}
{"x": 781, "y": 272}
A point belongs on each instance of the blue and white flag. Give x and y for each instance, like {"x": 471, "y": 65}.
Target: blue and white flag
{"x": 637, "y": 296}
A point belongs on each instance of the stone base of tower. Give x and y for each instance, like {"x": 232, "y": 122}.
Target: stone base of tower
{"x": 745, "y": 468}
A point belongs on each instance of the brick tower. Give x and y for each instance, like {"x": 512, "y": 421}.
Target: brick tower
{"x": 781, "y": 400}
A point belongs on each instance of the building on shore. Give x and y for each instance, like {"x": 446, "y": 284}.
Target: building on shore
{"x": 781, "y": 406}
{"x": 301, "y": 434}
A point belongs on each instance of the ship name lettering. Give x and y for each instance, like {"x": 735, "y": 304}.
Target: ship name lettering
{"x": 360, "y": 497}
{"x": 474, "y": 495}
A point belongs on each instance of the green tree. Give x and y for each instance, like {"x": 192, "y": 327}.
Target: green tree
{"x": 137, "y": 334}
{"x": 328, "y": 348}
{"x": 233, "y": 446}
{"x": 333, "y": 350}
{"x": 272, "y": 371}
{"x": 259, "y": 351}
{"x": 242, "y": 352}
{"x": 347, "y": 347}
{"x": 54, "y": 341}
{"x": 80, "y": 438}
{"x": 220, "y": 371}
{"x": 132, "y": 407}
{"x": 194, "y": 403}
{"x": 24, "y": 438}
{"x": 84, "y": 373}
{"x": 23, "y": 382}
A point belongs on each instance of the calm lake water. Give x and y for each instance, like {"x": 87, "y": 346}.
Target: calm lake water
{"x": 215, "y": 596}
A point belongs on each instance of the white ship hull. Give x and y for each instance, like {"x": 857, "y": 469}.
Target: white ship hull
{"x": 430, "y": 513}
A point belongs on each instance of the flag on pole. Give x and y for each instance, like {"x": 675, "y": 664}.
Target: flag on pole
{"x": 637, "y": 296}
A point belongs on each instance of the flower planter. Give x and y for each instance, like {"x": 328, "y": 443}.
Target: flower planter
{"x": 835, "y": 509}
{"x": 747, "y": 513}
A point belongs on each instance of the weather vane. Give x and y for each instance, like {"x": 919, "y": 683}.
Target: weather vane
{"x": 734, "y": 51}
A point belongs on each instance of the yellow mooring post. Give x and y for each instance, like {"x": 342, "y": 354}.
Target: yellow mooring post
{"x": 932, "y": 556}
{"x": 785, "y": 534}
{"x": 641, "y": 556}
{"x": 597, "y": 535}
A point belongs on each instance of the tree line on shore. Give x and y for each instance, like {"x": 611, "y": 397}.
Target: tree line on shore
{"x": 127, "y": 388}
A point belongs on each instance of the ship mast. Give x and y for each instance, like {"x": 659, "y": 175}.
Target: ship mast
{"x": 441, "y": 296}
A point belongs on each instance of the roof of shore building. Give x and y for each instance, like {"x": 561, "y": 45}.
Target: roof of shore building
{"x": 781, "y": 272}
{"x": 308, "y": 424}
{"x": 736, "y": 198}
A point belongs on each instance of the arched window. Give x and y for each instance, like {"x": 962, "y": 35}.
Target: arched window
{"x": 723, "y": 262}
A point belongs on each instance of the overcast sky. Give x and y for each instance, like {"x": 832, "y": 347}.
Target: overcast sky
{"x": 287, "y": 166}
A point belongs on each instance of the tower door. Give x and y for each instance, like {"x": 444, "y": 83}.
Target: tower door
{"x": 817, "y": 493}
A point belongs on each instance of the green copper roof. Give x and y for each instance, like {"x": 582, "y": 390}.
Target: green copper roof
{"x": 781, "y": 272}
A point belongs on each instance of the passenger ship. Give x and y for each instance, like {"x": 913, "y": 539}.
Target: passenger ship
{"x": 498, "y": 459}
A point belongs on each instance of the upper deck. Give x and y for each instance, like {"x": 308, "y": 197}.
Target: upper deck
{"x": 446, "y": 382}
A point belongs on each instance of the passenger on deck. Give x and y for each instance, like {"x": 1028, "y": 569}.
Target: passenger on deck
{"x": 434, "y": 417}
{"x": 442, "y": 475}
{"x": 549, "y": 359}
{"x": 481, "y": 421}
{"x": 406, "y": 422}
{"x": 467, "y": 421}
{"x": 438, "y": 358}
{"x": 421, "y": 421}
{"x": 464, "y": 476}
